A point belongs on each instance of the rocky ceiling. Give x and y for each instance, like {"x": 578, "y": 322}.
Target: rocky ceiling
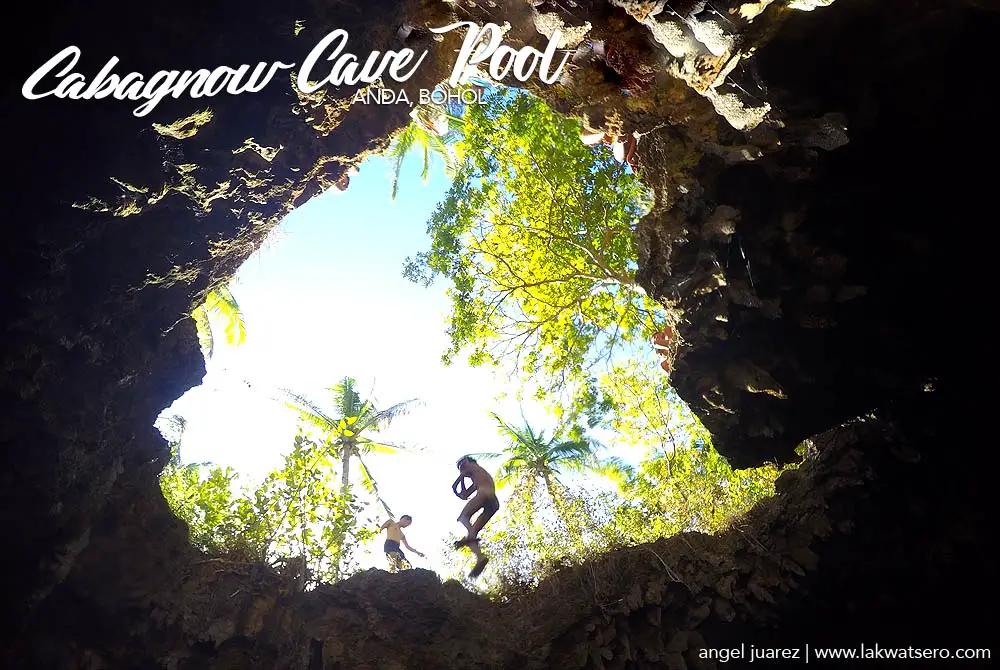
{"x": 820, "y": 169}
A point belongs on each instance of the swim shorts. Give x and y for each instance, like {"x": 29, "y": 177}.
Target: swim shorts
{"x": 397, "y": 559}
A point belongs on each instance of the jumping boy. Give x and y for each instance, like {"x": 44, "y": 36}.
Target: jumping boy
{"x": 485, "y": 500}
{"x": 393, "y": 536}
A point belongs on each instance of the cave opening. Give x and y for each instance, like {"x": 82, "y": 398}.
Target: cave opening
{"x": 825, "y": 263}
{"x": 329, "y": 319}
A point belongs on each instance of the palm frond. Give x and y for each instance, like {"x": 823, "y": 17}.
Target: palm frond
{"x": 366, "y": 478}
{"x": 486, "y": 456}
{"x": 398, "y": 151}
{"x": 508, "y": 431}
{"x": 403, "y": 142}
{"x": 570, "y": 450}
{"x": 513, "y": 467}
{"x": 221, "y": 301}
{"x": 456, "y": 122}
{"x": 508, "y": 474}
{"x": 378, "y": 447}
{"x": 382, "y": 418}
{"x": 451, "y": 167}
{"x": 347, "y": 399}
{"x": 395, "y": 448}
{"x": 308, "y": 411}
{"x": 615, "y": 469}
{"x": 204, "y": 328}
{"x": 434, "y": 128}
{"x": 449, "y": 138}
{"x": 444, "y": 147}
{"x": 427, "y": 164}
{"x": 371, "y": 485}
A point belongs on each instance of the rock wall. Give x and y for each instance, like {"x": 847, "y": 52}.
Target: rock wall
{"x": 845, "y": 553}
{"x": 836, "y": 268}
{"x": 811, "y": 262}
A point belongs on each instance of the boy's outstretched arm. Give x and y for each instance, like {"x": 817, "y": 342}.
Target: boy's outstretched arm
{"x": 415, "y": 551}
{"x": 385, "y": 524}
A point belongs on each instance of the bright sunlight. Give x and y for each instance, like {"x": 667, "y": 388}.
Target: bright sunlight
{"x": 470, "y": 292}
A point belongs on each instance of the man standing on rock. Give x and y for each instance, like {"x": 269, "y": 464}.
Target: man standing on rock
{"x": 485, "y": 499}
{"x": 393, "y": 536}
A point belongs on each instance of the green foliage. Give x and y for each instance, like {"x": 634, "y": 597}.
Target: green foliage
{"x": 308, "y": 515}
{"x": 296, "y": 515}
{"x": 344, "y": 431}
{"x": 436, "y": 129}
{"x": 544, "y": 518}
{"x": 530, "y": 456}
{"x": 537, "y": 237}
{"x": 635, "y": 400}
{"x": 539, "y": 533}
{"x": 202, "y": 496}
{"x": 682, "y": 483}
{"x": 692, "y": 488}
{"x": 222, "y": 306}
{"x": 530, "y": 459}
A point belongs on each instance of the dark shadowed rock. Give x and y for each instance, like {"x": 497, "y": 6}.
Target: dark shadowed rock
{"x": 813, "y": 208}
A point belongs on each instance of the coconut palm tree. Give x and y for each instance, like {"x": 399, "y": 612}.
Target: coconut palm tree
{"x": 172, "y": 429}
{"x": 435, "y": 128}
{"x": 432, "y": 130}
{"x": 531, "y": 458}
{"x": 221, "y": 304}
{"x": 175, "y": 426}
{"x": 346, "y": 429}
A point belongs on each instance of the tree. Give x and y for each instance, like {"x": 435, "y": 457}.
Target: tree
{"x": 683, "y": 483}
{"x": 221, "y": 304}
{"x": 433, "y": 130}
{"x": 343, "y": 431}
{"x": 694, "y": 489}
{"x": 297, "y": 516}
{"x": 529, "y": 457}
{"x": 294, "y": 519}
{"x": 300, "y": 512}
{"x": 530, "y": 460}
{"x": 436, "y": 127}
{"x": 531, "y": 539}
{"x": 202, "y": 496}
{"x": 537, "y": 237}
{"x": 635, "y": 401}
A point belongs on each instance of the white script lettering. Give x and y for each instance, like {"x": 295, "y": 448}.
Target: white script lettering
{"x": 133, "y": 87}
{"x": 345, "y": 68}
{"x": 56, "y": 77}
{"x": 472, "y": 52}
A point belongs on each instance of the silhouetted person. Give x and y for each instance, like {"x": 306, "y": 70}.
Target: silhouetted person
{"x": 485, "y": 499}
{"x": 393, "y": 536}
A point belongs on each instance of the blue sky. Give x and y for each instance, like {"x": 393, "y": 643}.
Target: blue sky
{"x": 325, "y": 298}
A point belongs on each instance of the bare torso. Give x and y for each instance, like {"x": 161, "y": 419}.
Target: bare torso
{"x": 483, "y": 481}
{"x": 394, "y": 532}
